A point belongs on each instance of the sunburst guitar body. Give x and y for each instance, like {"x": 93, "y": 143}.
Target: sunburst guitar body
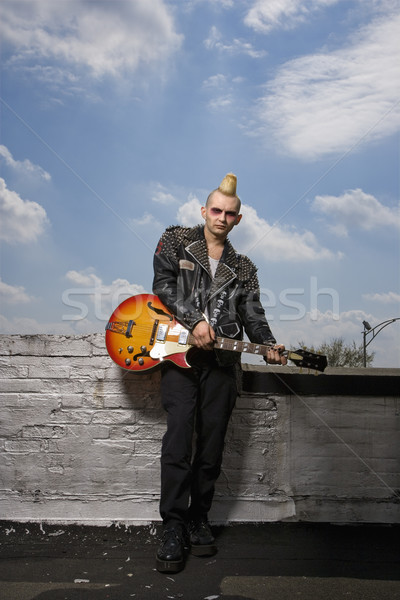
{"x": 142, "y": 332}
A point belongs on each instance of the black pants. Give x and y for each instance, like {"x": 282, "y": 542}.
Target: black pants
{"x": 199, "y": 402}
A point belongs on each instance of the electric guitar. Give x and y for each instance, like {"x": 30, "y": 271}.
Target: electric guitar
{"x": 142, "y": 332}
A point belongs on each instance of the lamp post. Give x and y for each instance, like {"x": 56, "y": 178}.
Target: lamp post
{"x": 373, "y": 331}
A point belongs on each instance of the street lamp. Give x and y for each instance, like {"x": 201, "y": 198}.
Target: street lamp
{"x": 374, "y": 332}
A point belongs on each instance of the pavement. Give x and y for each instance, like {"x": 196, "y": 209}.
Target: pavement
{"x": 269, "y": 561}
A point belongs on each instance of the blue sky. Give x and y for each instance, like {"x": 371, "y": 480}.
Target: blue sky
{"x": 119, "y": 117}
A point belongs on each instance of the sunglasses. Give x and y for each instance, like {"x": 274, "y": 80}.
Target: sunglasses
{"x": 229, "y": 214}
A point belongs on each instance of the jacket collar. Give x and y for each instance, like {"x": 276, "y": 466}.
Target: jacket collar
{"x": 226, "y": 270}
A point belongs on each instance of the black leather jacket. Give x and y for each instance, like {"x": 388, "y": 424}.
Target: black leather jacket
{"x": 230, "y": 300}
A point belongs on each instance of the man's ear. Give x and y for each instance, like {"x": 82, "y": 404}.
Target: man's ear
{"x": 238, "y": 219}
{"x": 203, "y": 212}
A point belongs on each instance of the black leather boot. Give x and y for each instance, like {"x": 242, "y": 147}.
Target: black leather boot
{"x": 202, "y": 542}
{"x": 172, "y": 551}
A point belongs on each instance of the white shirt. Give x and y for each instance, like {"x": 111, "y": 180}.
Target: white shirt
{"x": 213, "y": 264}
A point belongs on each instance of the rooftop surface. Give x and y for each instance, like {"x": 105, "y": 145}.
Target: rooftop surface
{"x": 272, "y": 561}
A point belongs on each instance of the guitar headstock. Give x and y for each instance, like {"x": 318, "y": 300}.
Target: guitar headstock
{"x": 308, "y": 360}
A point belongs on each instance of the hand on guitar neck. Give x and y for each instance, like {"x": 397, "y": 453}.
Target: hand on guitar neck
{"x": 275, "y": 355}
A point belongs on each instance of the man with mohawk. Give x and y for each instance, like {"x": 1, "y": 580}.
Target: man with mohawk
{"x": 213, "y": 291}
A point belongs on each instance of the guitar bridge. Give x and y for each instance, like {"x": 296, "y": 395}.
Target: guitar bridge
{"x": 123, "y": 327}
{"x": 128, "y": 333}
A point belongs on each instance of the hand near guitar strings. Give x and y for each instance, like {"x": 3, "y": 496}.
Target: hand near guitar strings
{"x": 204, "y": 337}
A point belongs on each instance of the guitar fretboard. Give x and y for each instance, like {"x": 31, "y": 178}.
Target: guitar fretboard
{"x": 238, "y": 346}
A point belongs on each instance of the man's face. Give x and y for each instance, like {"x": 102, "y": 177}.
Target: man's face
{"x": 221, "y": 214}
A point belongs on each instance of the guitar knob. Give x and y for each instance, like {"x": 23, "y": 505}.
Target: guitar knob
{"x": 143, "y": 348}
{"x": 127, "y": 362}
{"x": 130, "y": 349}
{"x": 140, "y": 361}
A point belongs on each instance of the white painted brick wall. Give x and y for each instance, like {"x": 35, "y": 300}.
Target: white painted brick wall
{"x": 80, "y": 441}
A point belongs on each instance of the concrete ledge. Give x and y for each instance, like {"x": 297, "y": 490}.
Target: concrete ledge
{"x": 335, "y": 382}
{"x": 142, "y": 510}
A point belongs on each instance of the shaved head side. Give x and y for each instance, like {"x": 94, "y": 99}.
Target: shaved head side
{"x": 228, "y": 195}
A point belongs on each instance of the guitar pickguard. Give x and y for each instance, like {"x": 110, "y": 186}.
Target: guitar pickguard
{"x": 161, "y": 351}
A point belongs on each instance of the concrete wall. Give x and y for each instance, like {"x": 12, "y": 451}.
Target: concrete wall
{"x": 80, "y": 440}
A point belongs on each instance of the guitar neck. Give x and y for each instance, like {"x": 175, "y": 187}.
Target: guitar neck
{"x": 300, "y": 357}
{"x": 232, "y": 345}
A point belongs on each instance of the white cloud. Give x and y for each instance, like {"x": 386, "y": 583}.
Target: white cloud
{"x": 25, "y": 167}
{"x": 266, "y": 15}
{"x": 322, "y": 327}
{"x": 254, "y": 234}
{"x": 235, "y": 46}
{"x": 257, "y": 236}
{"x": 319, "y": 327}
{"x": 217, "y": 3}
{"x": 216, "y": 81}
{"x": 331, "y": 102}
{"x": 356, "y": 209}
{"x": 222, "y": 88}
{"x": 162, "y": 196}
{"x": 92, "y": 35}
{"x": 314, "y": 329}
{"x": 21, "y": 221}
{"x": 146, "y": 219}
{"x": 29, "y": 326}
{"x": 13, "y": 294}
{"x": 85, "y": 278}
{"x": 91, "y": 297}
{"x": 189, "y": 214}
{"x": 220, "y": 103}
{"x": 384, "y": 298}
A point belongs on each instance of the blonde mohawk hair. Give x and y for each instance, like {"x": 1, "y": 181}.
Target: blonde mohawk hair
{"x": 228, "y": 185}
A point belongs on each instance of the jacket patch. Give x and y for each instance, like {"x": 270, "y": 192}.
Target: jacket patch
{"x": 230, "y": 330}
{"x": 186, "y": 264}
